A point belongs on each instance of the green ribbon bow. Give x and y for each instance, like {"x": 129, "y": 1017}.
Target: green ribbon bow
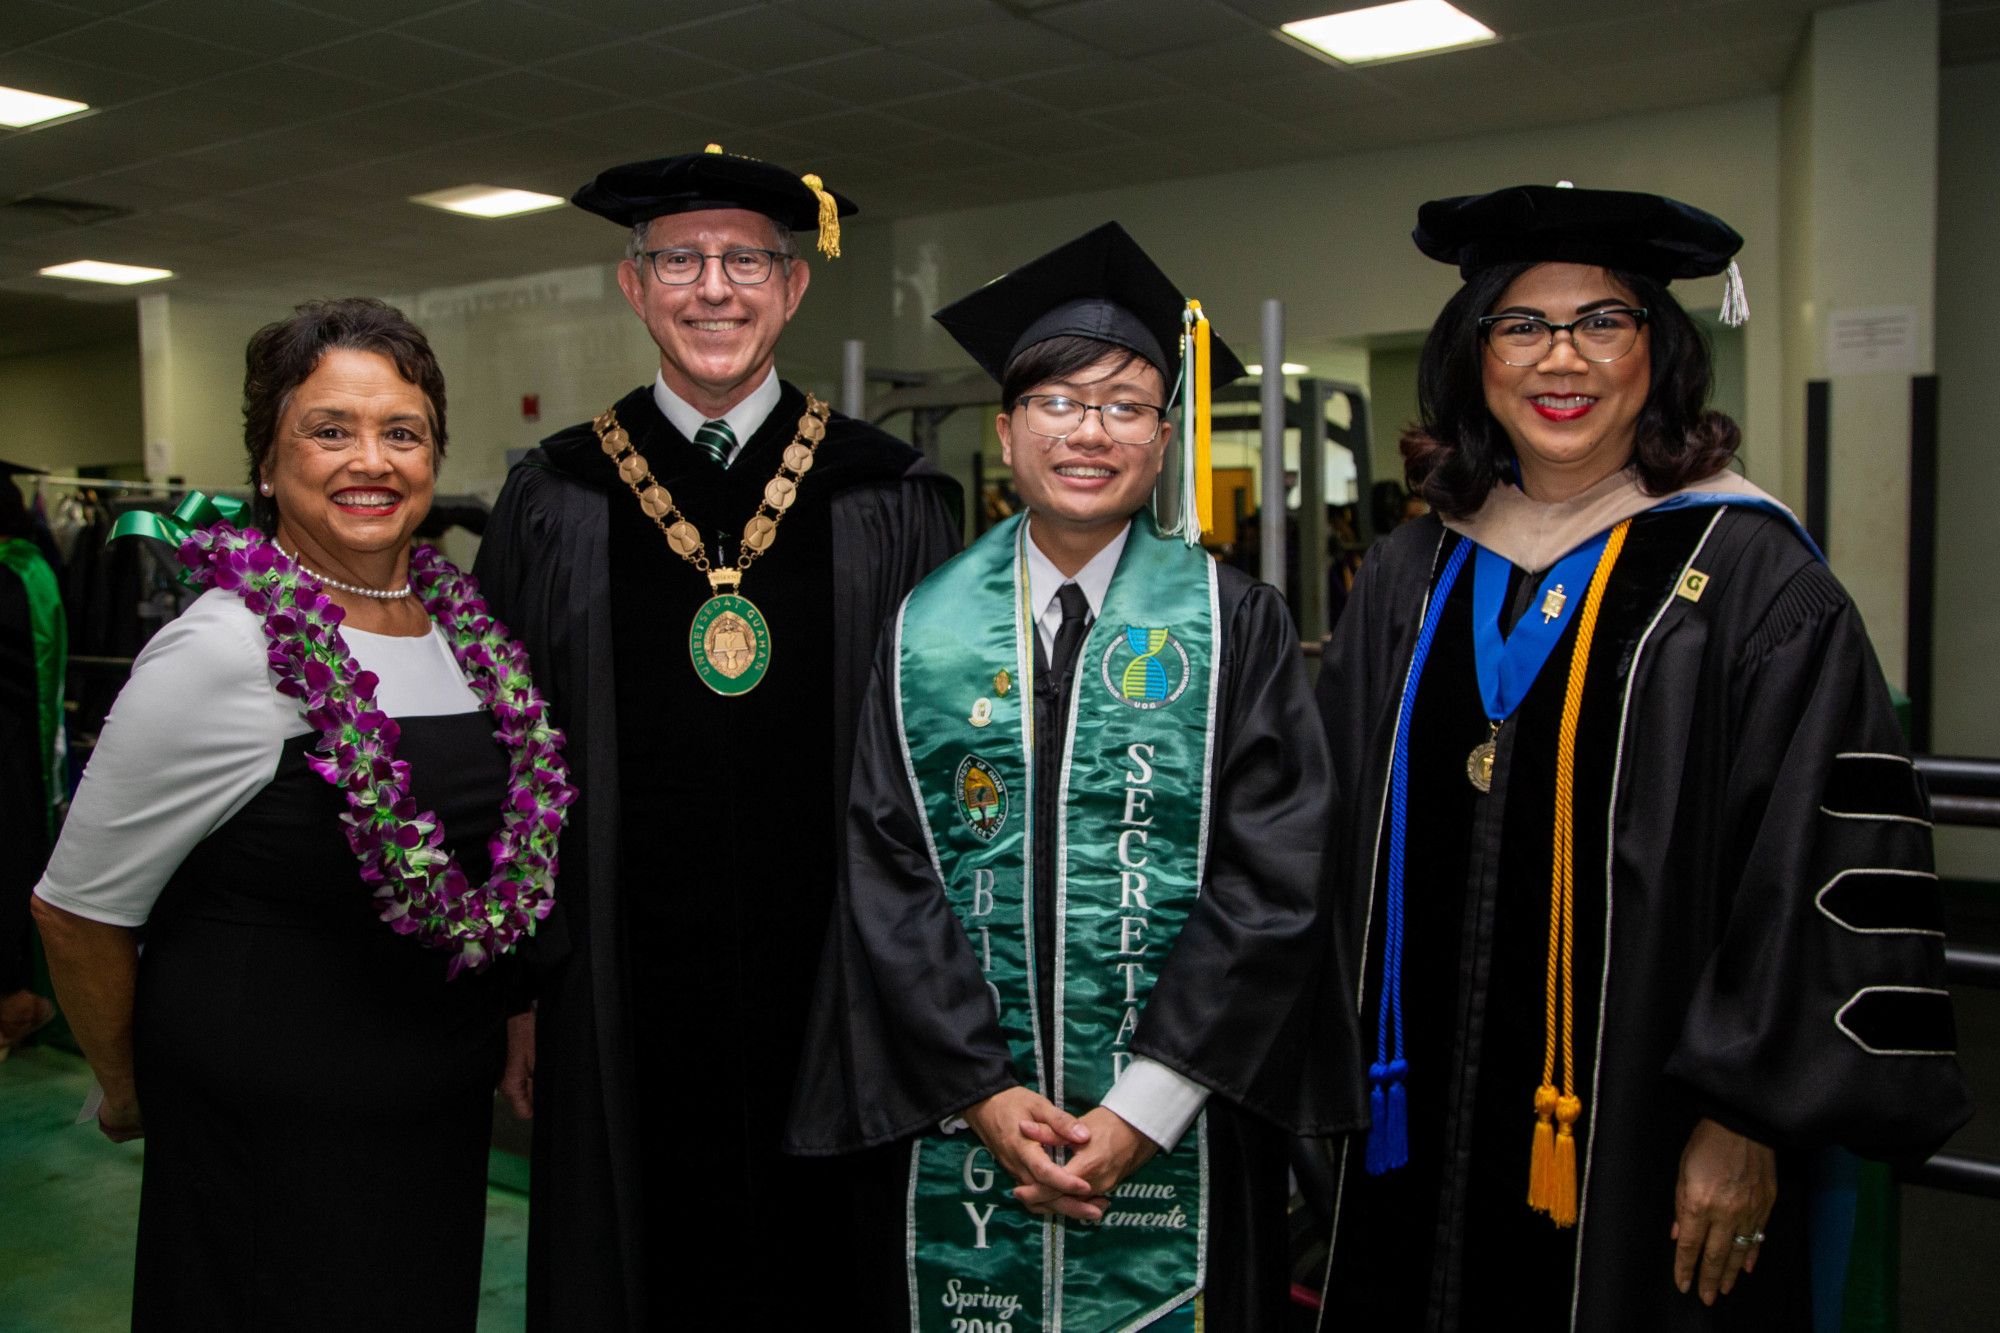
{"x": 194, "y": 511}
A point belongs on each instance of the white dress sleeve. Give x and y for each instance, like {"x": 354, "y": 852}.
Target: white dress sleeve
{"x": 196, "y": 732}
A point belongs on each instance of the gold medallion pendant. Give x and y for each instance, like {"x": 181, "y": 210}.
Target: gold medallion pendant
{"x": 729, "y": 641}
{"x": 1479, "y": 764}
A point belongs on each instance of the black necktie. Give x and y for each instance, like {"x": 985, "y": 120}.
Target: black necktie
{"x": 1069, "y": 638}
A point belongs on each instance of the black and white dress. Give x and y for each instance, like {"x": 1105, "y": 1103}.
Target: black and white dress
{"x": 317, "y": 1096}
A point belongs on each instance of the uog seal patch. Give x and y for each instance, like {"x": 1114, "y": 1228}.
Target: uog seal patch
{"x": 1146, "y": 668}
{"x": 982, "y": 797}
{"x": 730, "y": 644}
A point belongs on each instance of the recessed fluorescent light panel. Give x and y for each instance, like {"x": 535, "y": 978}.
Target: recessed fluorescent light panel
{"x": 488, "y": 201}
{"x": 97, "y": 270}
{"x": 1390, "y": 32}
{"x": 1289, "y": 368}
{"x": 20, "y": 108}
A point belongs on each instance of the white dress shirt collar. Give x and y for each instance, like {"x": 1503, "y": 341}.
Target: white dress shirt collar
{"x": 744, "y": 419}
{"x": 1044, "y": 579}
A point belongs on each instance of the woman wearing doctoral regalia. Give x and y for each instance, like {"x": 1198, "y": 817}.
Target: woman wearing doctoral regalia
{"x": 1083, "y": 906}
{"x": 1637, "y": 871}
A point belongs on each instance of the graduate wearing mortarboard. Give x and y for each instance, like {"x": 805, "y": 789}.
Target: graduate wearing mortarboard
{"x": 1079, "y": 968}
{"x": 1635, "y": 866}
{"x": 700, "y": 574}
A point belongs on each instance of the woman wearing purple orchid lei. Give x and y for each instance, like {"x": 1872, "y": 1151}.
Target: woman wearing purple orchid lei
{"x": 330, "y": 798}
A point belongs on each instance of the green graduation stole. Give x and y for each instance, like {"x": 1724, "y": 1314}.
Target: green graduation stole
{"x": 45, "y": 621}
{"x": 1131, "y": 846}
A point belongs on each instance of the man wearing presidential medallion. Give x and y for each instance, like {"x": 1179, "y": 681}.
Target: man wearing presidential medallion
{"x": 700, "y": 575}
{"x": 1079, "y": 970}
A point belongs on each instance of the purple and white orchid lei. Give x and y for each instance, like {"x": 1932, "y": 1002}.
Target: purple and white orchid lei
{"x": 422, "y": 889}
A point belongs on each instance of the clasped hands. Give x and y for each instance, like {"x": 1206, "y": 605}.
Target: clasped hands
{"x": 1023, "y": 1130}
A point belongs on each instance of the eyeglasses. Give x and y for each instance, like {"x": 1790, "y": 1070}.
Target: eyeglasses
{"x": 744, "y": 267}
{"x": 1058, "y": 417}
{"x": 1602, "y": 336}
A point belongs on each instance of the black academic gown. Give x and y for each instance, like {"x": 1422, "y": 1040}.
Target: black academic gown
{"x": 1709, "y": 976}
{"x": 673, "y": 976}
{"x": 24, "y": 794}
{"x": 1249, "y": 1004}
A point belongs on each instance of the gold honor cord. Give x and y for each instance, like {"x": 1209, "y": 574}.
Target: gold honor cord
{"x": 1552, "y": 1162}
{"x": 729, "y": 642}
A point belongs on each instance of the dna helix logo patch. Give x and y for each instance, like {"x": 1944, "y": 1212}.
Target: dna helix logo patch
{"x": 1145, "y": 667}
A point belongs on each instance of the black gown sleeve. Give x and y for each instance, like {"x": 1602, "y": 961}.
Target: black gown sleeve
{"x": 518, "y": 571}
{"x": 1251, "y": 1002}
{"x": 903, "y": 1032}
{"x": 1821, "y": 1017}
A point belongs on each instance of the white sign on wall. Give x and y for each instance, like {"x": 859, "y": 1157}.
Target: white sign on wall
{"x": 1871, "y": 340}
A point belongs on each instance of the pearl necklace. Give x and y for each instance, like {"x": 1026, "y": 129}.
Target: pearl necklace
{"x": 385, "y": 595}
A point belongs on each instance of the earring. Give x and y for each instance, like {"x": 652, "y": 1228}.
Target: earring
{"x": 265, "y": 487}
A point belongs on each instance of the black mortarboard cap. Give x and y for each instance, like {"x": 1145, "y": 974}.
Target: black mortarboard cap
{"x": 1616, "y": 229}
{"x": 690, "y": 182}
{"x": 1100, "y": 285}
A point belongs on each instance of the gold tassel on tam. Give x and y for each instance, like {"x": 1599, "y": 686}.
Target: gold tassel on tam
{"x": 829, "y": 217}
{"x": 1552, "y": 1184}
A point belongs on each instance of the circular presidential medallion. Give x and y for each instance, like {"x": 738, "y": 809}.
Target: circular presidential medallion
{"x": 730, "y": 644}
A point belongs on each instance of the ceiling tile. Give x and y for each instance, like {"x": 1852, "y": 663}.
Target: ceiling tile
{"x": 975, "y": 110}
{"x": 641, "y": 69}
{"x": 368, "y": 13}
{"x": 1238, "y": 60}
{"x": 636, "y": 18}
{"x": 893, "y": 20}
{"x": 875, "y": 75}
{"x": 245, "y": 25}
{"x": 23, "y": 22}
{"x": 1172, "y": 117}
{"x": 34, "y": 160}
{"x": 1496, "y": 65}
{"x": 764, "y": 39}
{"x": 278, "y": 94}
{"x": 1054, "y": 133}
{"x": 39, "y": 71}
{"x": 395, "y": 61}
{"x": 868, "y": 131}
{"x": 525, "y": 95}
{"x": 1099, "y": 83}
{"x": 130, "y": 49}
{"x": 754, "y": 102}
{"x": 1139, "y": 27}
{"x": 947, "y": 155}
{"x": 1310, "y": 98}
{"x": 637, "y": 131}
{"x": 986, "y": 50}
{"x": 508, "y": 30}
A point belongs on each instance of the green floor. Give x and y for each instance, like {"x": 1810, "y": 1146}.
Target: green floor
{"x": 69, "y": 1200}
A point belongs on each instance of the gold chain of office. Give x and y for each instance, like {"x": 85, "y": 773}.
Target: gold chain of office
{"x": 729, "y": 642}
{"x": 682, "y": 536}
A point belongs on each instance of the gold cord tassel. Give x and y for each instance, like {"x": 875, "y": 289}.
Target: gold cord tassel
{"x": 829, "y": 217}
{"x": 1552, "y": 1184}
{"x": 1204, "y": 468}
{"x": 1542, "y": 1160}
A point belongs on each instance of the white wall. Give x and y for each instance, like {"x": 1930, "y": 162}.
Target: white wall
{"x": 75, "y": 408}
{"x": 1966, "y": 720}
{"x": 191, "y": 363}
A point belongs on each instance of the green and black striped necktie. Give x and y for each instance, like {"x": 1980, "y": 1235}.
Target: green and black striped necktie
{"x": 716, "y": 440}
